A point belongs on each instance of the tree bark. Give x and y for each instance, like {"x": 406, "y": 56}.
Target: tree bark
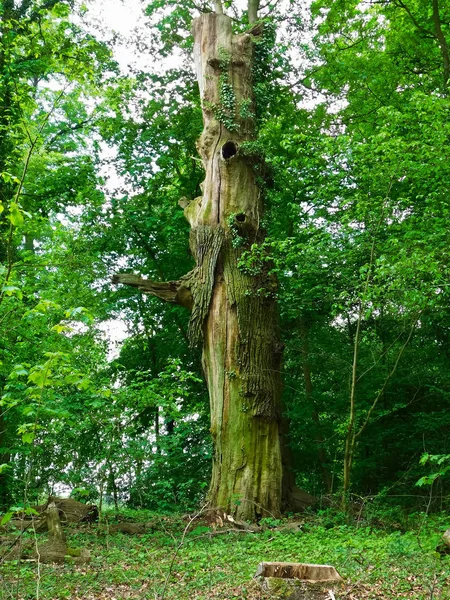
{"x": 241, "y": 349}
{"x": 253, "y": 7}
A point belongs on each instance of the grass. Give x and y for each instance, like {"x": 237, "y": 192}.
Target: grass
{"x": 375, "y": 562}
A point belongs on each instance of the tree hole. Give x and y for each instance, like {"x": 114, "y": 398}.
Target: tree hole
{"x": 240, "y": 217}
{"x": 229, "y": 149}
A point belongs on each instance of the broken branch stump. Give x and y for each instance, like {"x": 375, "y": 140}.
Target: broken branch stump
{"x": 54, "y": 550}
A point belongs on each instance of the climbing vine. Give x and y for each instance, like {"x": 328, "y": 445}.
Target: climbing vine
{"x": 225, "y": 110}
{"x": 263, "y": 69}
{"x": 237, "y": 239}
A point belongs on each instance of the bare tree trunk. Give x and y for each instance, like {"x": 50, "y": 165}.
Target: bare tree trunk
{"x": 241, "y": 349}
{"x": 218, "y": 8}
{"x": 233, "y": 313}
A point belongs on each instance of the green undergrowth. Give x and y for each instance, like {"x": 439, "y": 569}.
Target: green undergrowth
{"x": 210, "y": 562}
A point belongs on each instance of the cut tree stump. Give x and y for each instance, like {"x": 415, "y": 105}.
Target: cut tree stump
{"x": 444, "y": 545}
{"x": 298, "y": 581}
{"x": 302, "y": 571}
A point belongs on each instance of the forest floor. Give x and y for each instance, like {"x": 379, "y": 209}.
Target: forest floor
{"x": 201, "y": 562}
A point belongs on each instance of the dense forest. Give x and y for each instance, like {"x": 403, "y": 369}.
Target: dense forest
{"x": 265, "y": 207}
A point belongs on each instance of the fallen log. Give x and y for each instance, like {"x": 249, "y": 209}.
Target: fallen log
{"x": 71, "y": 511}
{"x": 131, "y": 528}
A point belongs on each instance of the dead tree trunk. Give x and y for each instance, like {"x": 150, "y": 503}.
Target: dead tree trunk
{"x": 241, "y": 349}
{"x": 233, "y": 313}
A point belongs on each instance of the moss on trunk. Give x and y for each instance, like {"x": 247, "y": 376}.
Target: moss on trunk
{"x": 241, "y": 349}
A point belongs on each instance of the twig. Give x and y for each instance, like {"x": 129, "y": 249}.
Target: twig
{"x": 38, "y": 575}
{"x": 211, "y": 534}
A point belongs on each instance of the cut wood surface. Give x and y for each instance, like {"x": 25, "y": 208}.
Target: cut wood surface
{"x": 444, "y": 545}
{"x": 446, "y": 539}
{"x": 305, "y": 572}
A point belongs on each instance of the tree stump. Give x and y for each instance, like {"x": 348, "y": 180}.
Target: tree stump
{"x": 54, "y": 550}
{"x": 444, "y": 546}
{"x": 298, "y": 581}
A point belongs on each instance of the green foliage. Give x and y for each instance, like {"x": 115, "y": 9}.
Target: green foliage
{"x": 237, "y": 239}
{"x": 245, "y": 109}
{"x": 442, "y": 461}
{"x": 225, "y": 111}
{"x": 267, "y": 71}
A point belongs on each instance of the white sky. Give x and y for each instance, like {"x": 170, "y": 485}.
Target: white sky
{"x": 123, "y": 17}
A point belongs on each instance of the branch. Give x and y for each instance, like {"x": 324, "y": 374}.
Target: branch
{"x": 218, "y": 8}
{"x": 21, "y": 184}
{"x": 401, "y": 4}
{"x": 178, "y": 548}
{"x": 174, "y": 292}
{"x": 253, "y": 7}
{"x": 388, "y": 378}
{"x": 442, "y": 42}
{"x": 74, "y": 127}
{"x": 270, "y": 4}
{"x": 307, "y": 76}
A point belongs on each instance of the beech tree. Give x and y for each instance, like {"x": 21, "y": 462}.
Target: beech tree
{"x": 233, "y": 309}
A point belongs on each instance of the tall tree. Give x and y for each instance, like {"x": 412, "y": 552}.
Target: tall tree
{"x": 233, "y": 310}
